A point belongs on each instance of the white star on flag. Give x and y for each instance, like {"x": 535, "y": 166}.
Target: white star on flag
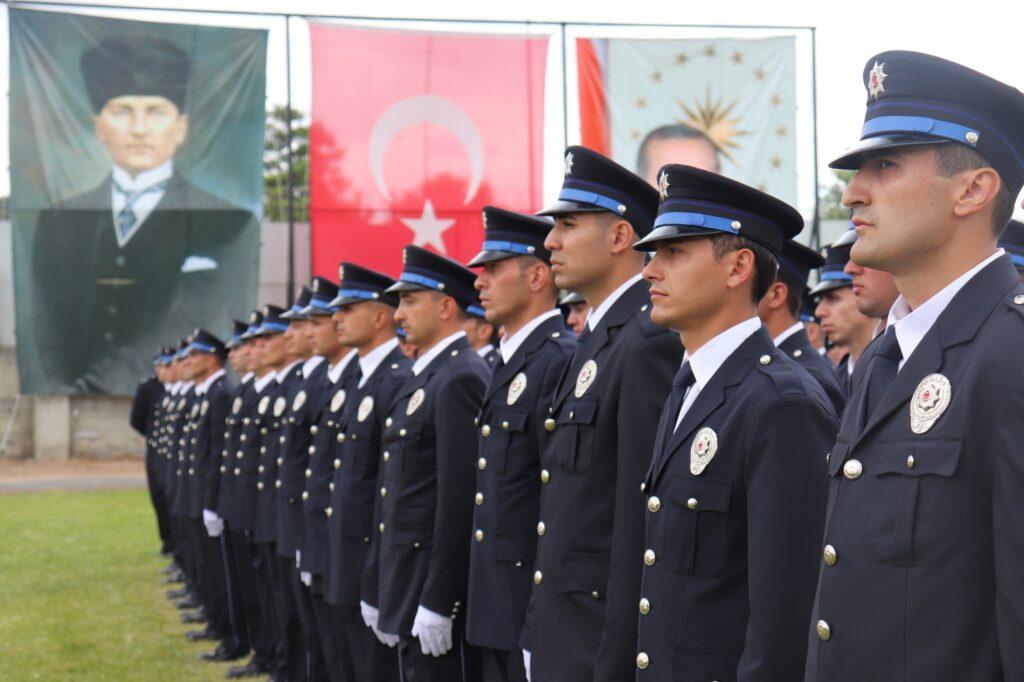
{"x": 428, "y": 228}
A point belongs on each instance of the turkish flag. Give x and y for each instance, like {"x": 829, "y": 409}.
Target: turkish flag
{"x": 412, "y": 134}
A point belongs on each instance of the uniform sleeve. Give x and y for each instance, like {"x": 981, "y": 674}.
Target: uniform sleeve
{"x": 458, "y": 401}
{"x": 646, "y": 382}
{"x": 786, "y": 489}
{"x": 141, "y": 407}
{"x": 218, "y": 412}
{"x": 1008, "y": 532}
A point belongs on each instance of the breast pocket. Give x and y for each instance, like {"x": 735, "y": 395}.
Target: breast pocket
{"x": 697, "y": 526}
{"x": 357, "y": 451}
{"x": 914, "y": 518}
{"x": 502, "y": 426}
{"x": 414, "y": 445}
{"x": 577, "y": 421}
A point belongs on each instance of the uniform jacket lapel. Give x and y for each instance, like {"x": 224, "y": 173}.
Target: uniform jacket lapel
{"x": 504, "y": 374}
{"x": 461, "y": 344}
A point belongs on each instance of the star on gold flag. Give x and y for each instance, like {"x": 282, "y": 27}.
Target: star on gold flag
{"x": 714, "y": 119}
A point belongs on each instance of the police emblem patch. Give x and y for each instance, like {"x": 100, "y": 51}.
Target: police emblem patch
{"x": 931, "y": 398}
{"x": 236, "y": 406}
{"x": 279, "y": 406}
{"x": 195, "y": 410}
{"x": 586, "y": 377}
{"x": 876, "y": 80}
{"x": 181, "y": 405}
{"x": 365, "y": 408}
{"x": 299, "y": 401}
{"x": 702, "y": 450}
{"x": 264, "y": 404}
{"x": 516, "y": 388}
{"x": 204, "y": 408}
{"x": 415, "y": 401}
{"x": 338, "y": 400}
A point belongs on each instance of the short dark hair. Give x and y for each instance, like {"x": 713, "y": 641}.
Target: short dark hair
{"x": 952, "y": 158}
{"x": 672, "y": 131}
{"x": 794, "y": 298}
{"x": 766, "y": 265}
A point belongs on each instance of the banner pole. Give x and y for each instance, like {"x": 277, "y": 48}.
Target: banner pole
{"x": 288, "y": 128}
{"x": 816, "y": 224}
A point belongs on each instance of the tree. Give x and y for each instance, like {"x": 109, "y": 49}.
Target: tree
{"x": 275, "y": 165}
{"x": 830, "y": 198}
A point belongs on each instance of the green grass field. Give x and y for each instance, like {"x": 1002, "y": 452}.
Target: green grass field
{"x": 81, "y": 595}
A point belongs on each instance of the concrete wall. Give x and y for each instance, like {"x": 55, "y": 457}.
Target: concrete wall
{"x": 58, "y": 427}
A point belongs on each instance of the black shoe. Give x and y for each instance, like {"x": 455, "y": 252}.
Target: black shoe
{"x": 223, "y": 653}
{"x": 174, "y": 579}
{"x": 250, "y": 669}
{"x": 187, "y": 603}
{"x": 197, "y": 616}
{"x": 204, "y": 635}
{"x": 170, "y": 569}
{"x": 179, "y": 593}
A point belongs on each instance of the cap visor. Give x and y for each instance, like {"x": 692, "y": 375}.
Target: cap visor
{"x": 310, "y": 311}
{"x": 485, "y": 257}
{"x": 561, "y": 207}
{"x": 849, "y": 237}
{"x": 669, "y": 232}
{"x": 829, "y": 285}
{"x": 405, "y": 286}
{"x": 851, "y": 158}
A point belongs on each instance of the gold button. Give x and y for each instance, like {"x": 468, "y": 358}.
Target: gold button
{"x": 1019, "y": 299}
{"x": 486, "y": 430}
{"x": 649, "y": 557}
{"x": 238, "y": 472}
{"x": 545, "y": 476}
{"x": 262, "y": 468}
{"x": 482, "y": 463}
{"x": 242, "y": 438}
{"x": 971, "y": 137}
{"x": 829, "y": 555}
{"x": 479, "y": 499}
{"x": 853, "y": 469}
{"x": 595, "y": 594}
{"x": 381, "y": 527}
{"x": 910, "y": 461}
{"x": 645, "y": 606}
{"x": 259, "y": 486}
{"x": 277, "y": 484}
{"x": 541, "y": 528}
{"x": 305, "y": 496}
{"x": 643, "y": 487}
{"x": 824, "y": 631}
{"x": 280, "y": 461}
{"x": 654, "y": 504}
{"x": 331, "y": 486}
{"x": 309, "y": 473}
{"x": 281, "y": 440}
{"x": 549, "y": 424}
{"x": 383, "y": 492}
{"x": 479, "y": 535}
{"x": 223, "y": 469}
{"x": 691, "y": 503}
{"x": 191, "y": 472}
{"x": 312, "y": 450}
{"x": 505, "y": 425}
{"x": 313, "y": 429}
{"x": 765, "y": 359}
{"x": 337, "y": 464}
{"x": 538, "y": 577}
{"x": 402, "y": 433}
{"x": 642, "y": 660}
{"x": 328, "y": 512}
{"x": 388, "y": 422}
{"x": 387, "y": 455}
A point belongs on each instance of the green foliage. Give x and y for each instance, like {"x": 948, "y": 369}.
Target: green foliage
{"x": 275, "y": 165}
{"x": 830, "y": 198}
{"x": 83, "y": 598}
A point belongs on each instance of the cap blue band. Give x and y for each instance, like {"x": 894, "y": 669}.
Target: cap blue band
{"x": 320, "y": 303}
{"x": 476, "y": 310}
{"x": 696, "y": 220}
{"x": 276, "y": 326}
{"x": 296, "y": 309}
{"x": 1017, "y": 260}
{"x": 509, "y": 246}
{"x": 201, "y": 347}
{"x": 804, "y": 317}
{"x": 422, "y": 281}
{"x": 919, "y": 124}
{"x": 570, "y": 194}
{"x": 836, "y": 276}
{"x": 358, "y": 293}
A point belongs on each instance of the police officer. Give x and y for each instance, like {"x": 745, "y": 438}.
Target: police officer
{"x": 735, "y": 503}
{"x": 780, "y": 312}
{"x": 145, "y": 419}
{"x": 482, "y": 334}
{"x": 177, "y": 483}
{"x": 518, "y": 292}
{"x": 601, "y": 429}
{"x": 575, "y": 309}
{"x": 365, "y": 322}
{"x": 922, "y": 571}
{"x": 874, "y": 290}
{"x": 427, "y": 479}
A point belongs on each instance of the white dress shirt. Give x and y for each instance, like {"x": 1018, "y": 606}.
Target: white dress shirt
{"x": 594, "y": 318}
{"x": 335, "y": 371}
{"x": 142, "y": 206}
{"x": 510, "y": 344}
{"x": 369, "y": 364}
{"x": 202, "y": 388}
{"x": 428, "y": 357}
{"x": 283, "y": 374}
{"x": 798, "y": 327}
{"x": 264, "y": 381}
{"x": 482, "y": 351}
{"x": 309, "y": 365}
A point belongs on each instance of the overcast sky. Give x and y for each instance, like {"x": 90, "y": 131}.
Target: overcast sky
{"x": 982, "y": 34}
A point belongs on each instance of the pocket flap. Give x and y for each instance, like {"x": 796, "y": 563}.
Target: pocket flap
{"x": 582, "y": 572}
{"x": 514, "y": 547}
{"x": 709, "y": 494}
{"x": 578, "y": 412}
{"x": 414, "y": 535}
{"x": 508, "y": 419}
{"x": 919, "y": 457}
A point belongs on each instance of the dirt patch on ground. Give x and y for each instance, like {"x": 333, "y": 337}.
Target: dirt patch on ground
{"x": 30, "y": 469}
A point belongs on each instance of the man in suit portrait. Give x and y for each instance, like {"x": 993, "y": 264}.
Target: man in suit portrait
{"x": 122, "y": 265}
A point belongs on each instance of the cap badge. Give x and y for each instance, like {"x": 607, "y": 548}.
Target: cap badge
{"x": 568, "y": 163}
{"x": 876, "y": 80}
{"x": 365, "y": 408}
{"x": 316, "y": 286}
{"x": 484, "y": 215}
{"x": 279, "y": 405}
{"x": 415, "y": 401}
{"x": 338, "y": 400}
{"x": 586, "y": 377}
{"x": 702, "y": 450}
{"x": 516, "y": 388}
{"x": 663, "y": 185}
{"x": 929, "y": 402}
{"x": 236, "y": 406}
{"x": 299, "y": 401}
{"x": 264, "y": 404}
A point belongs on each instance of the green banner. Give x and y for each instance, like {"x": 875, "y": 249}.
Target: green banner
{"x": 136, "y": 177}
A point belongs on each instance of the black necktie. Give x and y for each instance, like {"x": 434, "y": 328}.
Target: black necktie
{"x": 680, "y": 385}
{"x": 883, "y": 369}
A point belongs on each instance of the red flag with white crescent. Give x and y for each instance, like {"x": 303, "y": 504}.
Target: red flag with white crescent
{"x": 413, "y": 133}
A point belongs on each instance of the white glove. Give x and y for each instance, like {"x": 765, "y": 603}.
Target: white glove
{"x": 434, "y": 631}
{"x": 526, "y": 663}
{"x": 214, "y": 524}
{"x": 306, "y": 577}
{"x": 298, "y": 558}
{"x": 370, "y": 616}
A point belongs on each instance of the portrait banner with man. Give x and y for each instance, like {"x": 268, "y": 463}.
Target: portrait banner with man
{"x": 724, "y": 104}
{"x": 136, "y": 176}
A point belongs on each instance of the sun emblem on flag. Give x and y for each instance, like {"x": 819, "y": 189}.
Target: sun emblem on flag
{"x": 568, "y": 163}
{"x": 715, "y": 119}
{"x": 876, "y": 80}
{"x": 663, "y": 185}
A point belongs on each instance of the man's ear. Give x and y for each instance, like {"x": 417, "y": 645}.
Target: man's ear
{"x": 621, "y": 237}
{"x": 978, "y": 190}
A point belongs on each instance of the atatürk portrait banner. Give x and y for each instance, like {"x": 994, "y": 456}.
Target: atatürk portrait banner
{"x": 136, "y": 177}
